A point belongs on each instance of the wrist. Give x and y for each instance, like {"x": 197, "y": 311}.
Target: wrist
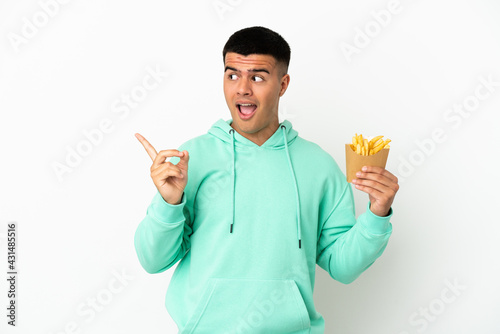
{"x": 175, "y": 201}
{"x": 381, "y": 212}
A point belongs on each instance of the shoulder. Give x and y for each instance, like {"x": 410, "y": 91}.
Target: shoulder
{"x": 314, "y": 151}
{"x": 197, "y": 142}
{"x": 321, "y": 161}
{"x": 198, "y": 147}
{"x": 201, "y": 143}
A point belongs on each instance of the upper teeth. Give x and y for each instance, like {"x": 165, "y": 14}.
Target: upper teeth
{"x": 246, "y": 104}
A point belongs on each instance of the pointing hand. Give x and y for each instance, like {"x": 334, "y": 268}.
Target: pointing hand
{"x": 169, "y": 179}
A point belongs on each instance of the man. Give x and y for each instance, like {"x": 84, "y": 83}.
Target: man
{"x": 250, "y": 208}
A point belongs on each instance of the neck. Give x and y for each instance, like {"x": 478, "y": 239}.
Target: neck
{"x": 261, "y": 136}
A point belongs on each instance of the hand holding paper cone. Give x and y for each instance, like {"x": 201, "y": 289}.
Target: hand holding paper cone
{"x": 365, "y": 168}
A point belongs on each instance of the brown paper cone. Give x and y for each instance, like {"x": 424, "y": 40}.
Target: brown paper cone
{"x": 354, "y": 162}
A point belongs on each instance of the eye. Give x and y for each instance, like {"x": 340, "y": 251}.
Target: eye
{"x": 232, "y": 76}
{"x": 258, "y": 79}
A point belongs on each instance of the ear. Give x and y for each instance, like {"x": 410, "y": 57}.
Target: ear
{"x": 285, "y": 81}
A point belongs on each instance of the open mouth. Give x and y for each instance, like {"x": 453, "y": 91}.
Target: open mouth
{"x": 246, "y": 110}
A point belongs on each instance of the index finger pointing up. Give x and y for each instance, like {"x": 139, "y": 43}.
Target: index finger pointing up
{"x": 149, "y": 148}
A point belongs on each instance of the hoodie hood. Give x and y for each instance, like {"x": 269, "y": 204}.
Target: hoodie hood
{"x": 284, "y": 136}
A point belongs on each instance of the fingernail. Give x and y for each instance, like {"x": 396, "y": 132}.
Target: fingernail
{"x": 358, "y": 174}
{"x": 364, "y": 168}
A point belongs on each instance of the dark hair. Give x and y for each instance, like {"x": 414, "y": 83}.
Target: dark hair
{"x": 258, "y": 40}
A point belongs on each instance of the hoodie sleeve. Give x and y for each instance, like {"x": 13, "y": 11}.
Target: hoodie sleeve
{"x": 163, "y": 236}
{"x": 348, "y": 246}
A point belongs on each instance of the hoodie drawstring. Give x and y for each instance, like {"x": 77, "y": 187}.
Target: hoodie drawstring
{"x": 299, "y": 236}
{"x": 234, "y": 168}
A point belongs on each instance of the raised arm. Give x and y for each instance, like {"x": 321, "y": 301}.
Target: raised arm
{"x": 348, "y": 246}
{"x": 162, "y": 237}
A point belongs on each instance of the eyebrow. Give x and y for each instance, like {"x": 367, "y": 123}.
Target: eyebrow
{"x": 250, "y": 70}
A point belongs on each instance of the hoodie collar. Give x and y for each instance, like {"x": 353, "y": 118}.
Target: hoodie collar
{"x": 220, "y": 129}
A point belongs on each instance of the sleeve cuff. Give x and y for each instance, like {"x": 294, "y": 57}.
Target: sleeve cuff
{"x": 165, "y": 212}
{"x": 377, "y": 224}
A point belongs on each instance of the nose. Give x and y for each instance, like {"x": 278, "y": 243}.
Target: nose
{"x": 244, "y": 87}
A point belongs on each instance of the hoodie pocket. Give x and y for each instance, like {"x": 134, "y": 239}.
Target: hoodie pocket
{"x": 237, "y": 306}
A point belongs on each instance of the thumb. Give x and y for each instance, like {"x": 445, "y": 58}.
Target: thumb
{"x": 184, "y": 159}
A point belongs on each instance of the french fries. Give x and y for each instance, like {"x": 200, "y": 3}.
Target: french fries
{"x": 363, "y": 146}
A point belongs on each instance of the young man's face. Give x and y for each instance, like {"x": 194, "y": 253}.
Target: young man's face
{"x": 253, "y": 85}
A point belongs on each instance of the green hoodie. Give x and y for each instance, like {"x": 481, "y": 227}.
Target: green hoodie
{"x": 253, "y": 223}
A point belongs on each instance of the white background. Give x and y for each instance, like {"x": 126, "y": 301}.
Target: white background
{"x": 75, "y": 231}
